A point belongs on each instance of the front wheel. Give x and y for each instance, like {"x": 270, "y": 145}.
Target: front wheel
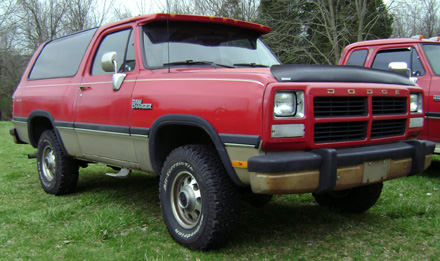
{"x": 354, "y": 200}
{"x": 57, "y": 171}
{"x": 198, "y": 199}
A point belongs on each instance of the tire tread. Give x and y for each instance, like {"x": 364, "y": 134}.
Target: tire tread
{"x": 66, "y": 177}
{"x": 222, "y": 193}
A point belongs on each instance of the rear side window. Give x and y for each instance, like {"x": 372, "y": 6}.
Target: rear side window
{"x": 408, "y": 55}
{"x": 61, "y": 58}
{"x": 358, "y": 57}
{"x": 120, "y": 42}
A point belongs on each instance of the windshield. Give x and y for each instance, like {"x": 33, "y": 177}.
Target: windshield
{"x": 203, "y": 44}
{"x": 432, "y": 52}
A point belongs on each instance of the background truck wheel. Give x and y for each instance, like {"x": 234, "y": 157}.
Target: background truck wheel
{"x": 355, "y": 200}
{"x": 57, "y": 171}
{"x": 198, "y": 199}
{"x": 256, "y": 200}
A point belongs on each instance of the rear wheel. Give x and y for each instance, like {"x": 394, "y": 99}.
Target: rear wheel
{"x": 354, "y": 200}
{"x": 57, "y": 171}
{"x": 198, "y": 199}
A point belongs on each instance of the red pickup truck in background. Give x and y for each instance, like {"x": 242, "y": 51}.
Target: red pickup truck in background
{"x": 422, "y": 57}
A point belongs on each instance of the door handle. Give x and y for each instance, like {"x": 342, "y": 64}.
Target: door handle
{"x": 83, "y": 88}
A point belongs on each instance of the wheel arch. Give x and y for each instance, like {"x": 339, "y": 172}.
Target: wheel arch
{"x": 171, "y": 131}
{"x": 38, "y": 122}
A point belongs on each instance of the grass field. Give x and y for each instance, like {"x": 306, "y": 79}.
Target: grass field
{"x": 114, "y": 219}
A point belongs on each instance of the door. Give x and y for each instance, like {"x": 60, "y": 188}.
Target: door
{"x": 432, "y": 51}
{"x": 103, "y": 114}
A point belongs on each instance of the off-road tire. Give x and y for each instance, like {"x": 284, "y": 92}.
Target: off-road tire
{"x": 199, "y": 201}
{"x": 57, "y": 171}
{"x": 355, "y": 200}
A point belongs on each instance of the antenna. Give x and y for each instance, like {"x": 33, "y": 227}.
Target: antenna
{"x": 168, "y": 34}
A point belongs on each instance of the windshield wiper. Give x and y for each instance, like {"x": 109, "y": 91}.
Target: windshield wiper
{"x": 251, "y": 65}
{"x": 191, "y": 62}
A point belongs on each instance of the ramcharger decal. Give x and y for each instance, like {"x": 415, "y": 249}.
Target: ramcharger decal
{"x": 138, "y": 104}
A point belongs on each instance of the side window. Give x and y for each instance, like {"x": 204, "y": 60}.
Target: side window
{"x": 62, "y": 57}
{"x": 416, "y": 65}
{"x": 120, "y": 42}
{"x": 358, "y": 57}
{"x": 408, "y": 55}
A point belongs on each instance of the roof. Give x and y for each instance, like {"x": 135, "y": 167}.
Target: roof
{"x": 390, "y": 41}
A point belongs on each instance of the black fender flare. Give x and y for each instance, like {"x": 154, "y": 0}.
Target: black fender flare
{"x": 47, "y": 115}
{"x": 195, "y": 121}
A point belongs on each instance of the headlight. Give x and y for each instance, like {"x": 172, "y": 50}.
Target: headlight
{"x": 416, "y": 102}
{"x": 289, "y": 104}
{"x": 285, "y": 104}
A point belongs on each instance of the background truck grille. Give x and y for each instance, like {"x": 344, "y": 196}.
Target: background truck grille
{"x": 340, "y": 131}
{"x": 340, "y": 106}
{"x": 388, "y": 128}
{"x": 389, "y": 105}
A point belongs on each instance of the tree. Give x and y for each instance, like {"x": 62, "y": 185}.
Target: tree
{"x": 8, "y": 57}
{"x": 338, "y": 23}
{"x": 25, "y": 24}
{"x": 41, "y": 20}
{"x": 287, "y": 21}
{"x": 8, "y": 26}
{"x": 315, "y": 31}
{"x": 84, "y": 14}
{"x": 416, "y": 18}
{"x": 12, "y": 65}
{"x": 238, "y": 9}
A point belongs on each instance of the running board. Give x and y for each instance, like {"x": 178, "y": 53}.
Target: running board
{"x": 122, "y": 174}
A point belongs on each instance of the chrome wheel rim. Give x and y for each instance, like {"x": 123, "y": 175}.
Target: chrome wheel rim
{"x": 48, "y": 164}
{"x": 186, "y": 200}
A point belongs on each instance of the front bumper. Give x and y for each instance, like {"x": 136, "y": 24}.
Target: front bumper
{"x": 323, "y": 170}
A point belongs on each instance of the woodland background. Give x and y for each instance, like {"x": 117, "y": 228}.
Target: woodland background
{"x": 303, "y": 31}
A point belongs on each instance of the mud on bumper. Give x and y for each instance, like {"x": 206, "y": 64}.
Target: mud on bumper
{"x": 323, "y": 170}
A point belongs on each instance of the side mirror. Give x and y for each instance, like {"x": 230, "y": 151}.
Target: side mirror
{"x": 109, "y": 64}
{"x": 400, "y": 68}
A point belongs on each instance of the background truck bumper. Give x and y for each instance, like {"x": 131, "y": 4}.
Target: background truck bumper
{"x": 322, "y": 170}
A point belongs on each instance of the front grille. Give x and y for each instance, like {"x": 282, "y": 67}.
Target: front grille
{"x": 340, "y": 131}
{"x": 389, "y": 105}
{"x": 357, "y": 118}
{"x": 388, "y": 128}
{"x": 340, "y": 106}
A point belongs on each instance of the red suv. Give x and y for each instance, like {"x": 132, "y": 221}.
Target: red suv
{"x": 204, "y": 104}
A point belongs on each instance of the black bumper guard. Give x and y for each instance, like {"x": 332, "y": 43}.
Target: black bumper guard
{"x": 328, "y": 160}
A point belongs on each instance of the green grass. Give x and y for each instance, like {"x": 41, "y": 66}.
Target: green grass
{"x": 114, "y": 219}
